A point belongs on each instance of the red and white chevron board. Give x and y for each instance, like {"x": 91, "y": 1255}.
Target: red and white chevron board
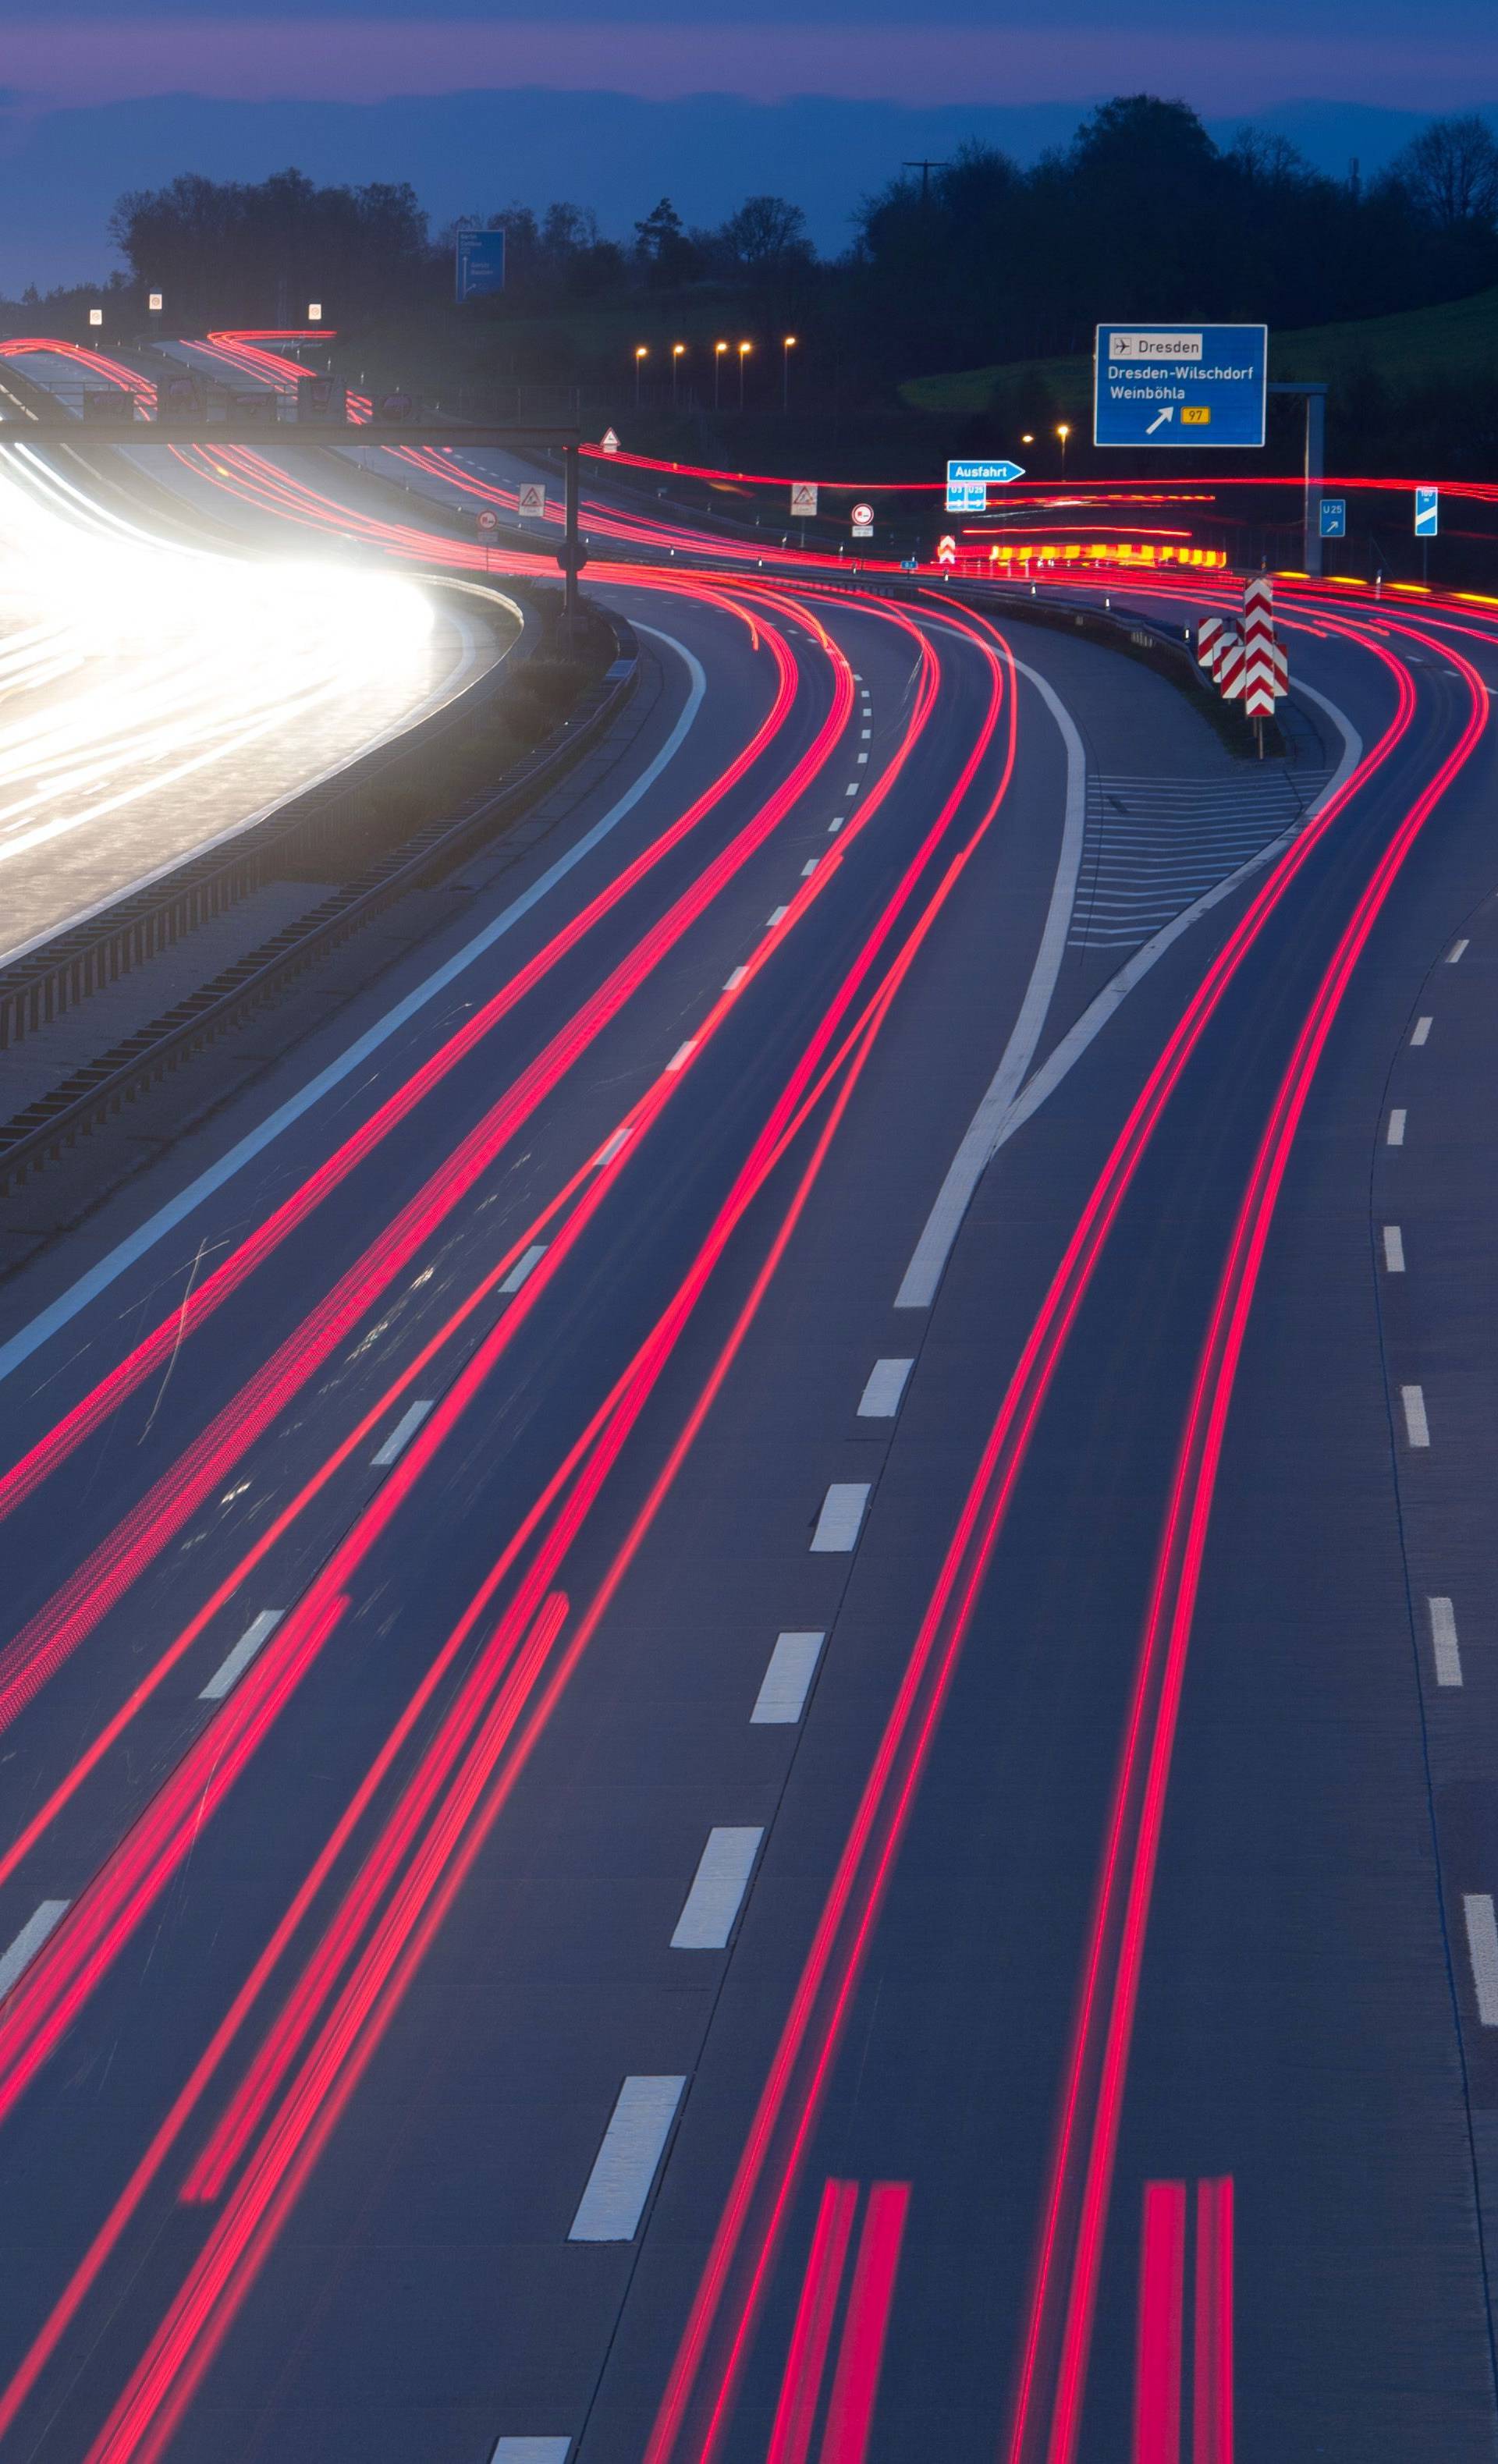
{"x": 1209, "y": 635}
{"x": 1259, "y": 696}
{"x": 1281, "y": 670}
{"x": 1259, "y": 599}
{"x": 1230, "y": 668}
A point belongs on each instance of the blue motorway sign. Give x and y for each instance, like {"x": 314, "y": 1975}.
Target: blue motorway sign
{"x": 967, "y": 496}
{"x": 988, "y": 474}
{"x": 1180, "y": 384}
{"x": 1427, "y": 513}
{"x": 479, "y": 262}
{"x": 1334, "y": 517}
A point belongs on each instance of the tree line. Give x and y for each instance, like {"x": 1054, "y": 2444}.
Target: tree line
{"x": 1143, "y": 214}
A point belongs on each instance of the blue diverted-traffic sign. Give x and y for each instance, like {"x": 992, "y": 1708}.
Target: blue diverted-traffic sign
{"x": 1427, "y": 513}
{"x": 1334, "y": 517}
{"x": 478, "y": 262}
{"x": 1180, "y": 384}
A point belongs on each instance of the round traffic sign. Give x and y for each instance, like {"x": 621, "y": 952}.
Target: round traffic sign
{"x": 863, "y": 513}
{"x": 488, "y": 521}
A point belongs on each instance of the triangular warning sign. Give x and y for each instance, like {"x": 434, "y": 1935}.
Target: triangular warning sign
{"x": 610, "y": 441}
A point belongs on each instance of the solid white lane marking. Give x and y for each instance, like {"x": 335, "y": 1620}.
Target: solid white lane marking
{"x": 401, "y": 1435}
{"x": 1482, "y": 1949}
{"x": 735, "y": 979}
{"x": 1001, "y": 1112}
{"x": 787, "y": 1684}
{"x": 1444, "y": 1642}
{"x": 14, "y": 1962}
{"x": 717, "y": 1889}
{"x": 1397, "y": 1121}
{"x": 841, "y": 1518}
{"x": 627, "y": 2163}
{"x": 230, "y": 1671}
{"x": 532, "y": 2450}
{"x": 986, "y": 1129}
{"x": 138, "y": 1243}
{"x": 808, "y": 867}
{"x": 881, "y": 1397}
{"x": 1455, "y": 951}
{"x": 1417, "y": 1428}
{"x": 1422, "y": 1027}
{"x": 524, "y": 1265}
{"x": 682, "y": 1054}
{"x": 777, "y": 915}
{"x": 1394, "y": 1249}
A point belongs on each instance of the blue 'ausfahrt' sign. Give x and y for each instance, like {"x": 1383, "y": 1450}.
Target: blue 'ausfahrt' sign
{"x": 1180, "y": 384}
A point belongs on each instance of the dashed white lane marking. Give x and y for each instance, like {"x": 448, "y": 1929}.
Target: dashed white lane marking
{"x": 735, "y": 979}
{"x": 14, "y": 1962}
{"x": 776, "y": 916}
{"x": 231, "y": 1670}
{"x": 808, "y": 867}
{"x": 606, "y": 1153}
{"x": 528, "y": 1259}
{"x": 835, "y": 824}
{"x": 841, "y": 1518}
{"x": 627, "y": 2163}
{"x": 532, "y": 2450}
{"x": 1444, "y": 1642}
{"x": 863, "y": 757}
{"x": 1482, "y": 1949}
{"x": 1397, "y": 1120}
{"x": 852, "y": 790}
{"x": 1422, "y": 1027}
{"x": 865, "y": 734}
{"x": 881, "y": 1397}
{"x": 783, "y": 1694}
{"x": 682, "y": 1054}
{"x": 1417, "y": 1428}
{"x": 405, "y": 1429}
{"x": 717, "y": 1889}
{"x": 1394, "y": 1249}
{"x": 1455, "y": 951}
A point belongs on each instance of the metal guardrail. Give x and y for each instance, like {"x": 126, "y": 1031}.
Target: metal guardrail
{"x": 91, "y": 1094}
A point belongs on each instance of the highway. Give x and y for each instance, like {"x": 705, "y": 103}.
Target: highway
{"x": 747, "y": 1681}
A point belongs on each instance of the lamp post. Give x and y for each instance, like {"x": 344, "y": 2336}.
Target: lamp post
{"x": 1063, "y": 431}
{"x": 641, "y": 354}
{"x": 744, "y": 349}
{"x": 786, "y": 348}
{"x": 719, "y": 354}
{"x": 677, "y": 351}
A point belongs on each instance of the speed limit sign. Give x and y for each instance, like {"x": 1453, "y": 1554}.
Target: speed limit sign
{"x": 488, "y": 521}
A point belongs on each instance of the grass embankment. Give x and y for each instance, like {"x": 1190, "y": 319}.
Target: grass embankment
{"x": 1456, "y": 339}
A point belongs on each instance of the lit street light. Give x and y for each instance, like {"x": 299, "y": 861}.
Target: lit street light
{"x": 744, "y": 349}
{"x": 1028, "y": 439}
{"x": 719, "y": 352}
{"x": 677, "y": 350}
{"x": 1063, "y": 431}
{"x": 641, "y": 354}
{"x": 786, "y": 348}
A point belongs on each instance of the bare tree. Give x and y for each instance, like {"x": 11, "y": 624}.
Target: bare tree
{"x": 1451, "y": 170}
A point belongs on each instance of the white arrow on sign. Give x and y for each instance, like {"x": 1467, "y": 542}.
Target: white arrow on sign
{"x": 1159, "y": 418}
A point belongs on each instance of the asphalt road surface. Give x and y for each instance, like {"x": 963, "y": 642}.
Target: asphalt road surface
{"x": 748, "y": 1704}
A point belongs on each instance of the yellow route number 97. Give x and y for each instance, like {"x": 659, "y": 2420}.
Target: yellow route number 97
{"x": 1197, "y": 414}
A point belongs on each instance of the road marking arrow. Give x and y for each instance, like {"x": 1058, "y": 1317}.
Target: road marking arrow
{"x": 1159, "y": 418}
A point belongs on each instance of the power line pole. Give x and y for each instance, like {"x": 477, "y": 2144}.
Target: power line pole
{"x": 925, "y": 169}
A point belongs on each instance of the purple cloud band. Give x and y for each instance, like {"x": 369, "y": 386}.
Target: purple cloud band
{"x": 1220, "y": 70}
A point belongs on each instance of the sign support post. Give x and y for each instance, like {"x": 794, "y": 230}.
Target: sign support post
{"x": 1314, "y": 397}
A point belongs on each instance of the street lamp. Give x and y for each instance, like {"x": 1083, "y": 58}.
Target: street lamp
{"x": 1063, "y": 431}
{"x": 744, "y": 349}
{"x": 676, "y": 351}
{"x": 719, "y": 352}
{"x": 641, "y": 354}
{"x": 786, "y": 348}
{"x": 1028, "y": 439}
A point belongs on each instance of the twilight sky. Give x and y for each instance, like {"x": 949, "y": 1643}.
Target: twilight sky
{"x": 1222, "y": 59}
